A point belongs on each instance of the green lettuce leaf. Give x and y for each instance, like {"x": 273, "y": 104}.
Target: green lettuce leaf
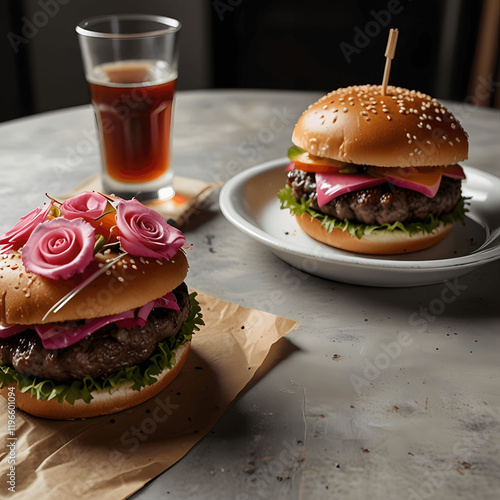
{"x": 294, "y": 152}
{"x": 140, "y": 375}
{"x": 299, "y": 207}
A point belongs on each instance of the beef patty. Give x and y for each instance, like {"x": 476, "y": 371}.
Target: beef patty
{"x": 380, "y": 204}
{"x": 104, "y": 352}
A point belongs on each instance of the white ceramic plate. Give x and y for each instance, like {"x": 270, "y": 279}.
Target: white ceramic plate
{"x": 249, "y": 201}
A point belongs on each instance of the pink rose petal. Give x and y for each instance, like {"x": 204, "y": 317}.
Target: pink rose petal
{"x": 17, "y": 236}
{"x": 145, "y": 233}
{"x": 59, "y": 248}
{"x": 86, "y": 205}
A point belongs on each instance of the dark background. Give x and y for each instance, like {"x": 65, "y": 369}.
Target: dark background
{"x": 278, "y": 44}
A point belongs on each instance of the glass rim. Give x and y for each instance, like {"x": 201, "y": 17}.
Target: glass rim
{"x": 171, "y": 26}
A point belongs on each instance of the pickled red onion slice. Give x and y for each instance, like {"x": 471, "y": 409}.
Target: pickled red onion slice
{"x": 330, "y": 186}
{"x": 7, "y": 331}
{"x": 60, "y": 335}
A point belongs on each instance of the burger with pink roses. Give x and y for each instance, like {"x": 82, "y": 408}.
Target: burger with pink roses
{"x": 95, "y": 316}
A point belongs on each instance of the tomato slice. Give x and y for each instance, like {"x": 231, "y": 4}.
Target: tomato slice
{"x": 310, "y": 163}
{"x": 311, "y": 167}
{"x": 454, "y": 171}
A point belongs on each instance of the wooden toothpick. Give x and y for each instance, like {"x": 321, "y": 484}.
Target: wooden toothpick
{"x": 389, "y": 54}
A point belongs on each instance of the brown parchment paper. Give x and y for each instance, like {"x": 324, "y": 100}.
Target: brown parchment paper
{"x": 113, "y": 456}
{"x": 190, "y": 195}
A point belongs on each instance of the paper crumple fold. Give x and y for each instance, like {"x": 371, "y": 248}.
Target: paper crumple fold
{"x": 113, "y": 456}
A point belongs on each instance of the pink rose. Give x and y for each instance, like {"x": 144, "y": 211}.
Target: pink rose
{"x": 17, "y": 236}
{"x": 59, "y": 248}
{"x": 89, "y": 207}
{"x": 84, "y": 205}
{"x": 145, "y": 233}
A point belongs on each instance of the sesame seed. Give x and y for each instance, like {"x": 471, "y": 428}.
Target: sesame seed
{"x": 444, "y": 137}
{"x": 415, "y": 150}
{"x": 453, "y": 126}
{"x": 420, "y": 125}
{"x": 428, "y": 142}
{"x": 385, "y": 110}
{"x": 409, "y": 141}
{"x": 120, "y": 278}
{"x": 411, "y": 154}
{"x": 334, "y": 110}
{"x": 374, "y": 111}
{"x": 438, "y": 118}
{"x": 408, "y": 135}
{"x": 134, "y": 267}
{"x": 420, "y": 152}
{"x": 108, "y": 272}
{"x": 364, "y": 113}
{"x": 450, "y": 143}
{"x": 345, "y": 110}
{"x": 132, "y": 261}
{"x": 389, "y": 117}
{"x": 457, "y": 139}
{"x": 428, "y": 127}
{"x": 325, "y": 107}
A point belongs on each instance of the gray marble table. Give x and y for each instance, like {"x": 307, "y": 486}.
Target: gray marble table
{"x": 335, "y": 419}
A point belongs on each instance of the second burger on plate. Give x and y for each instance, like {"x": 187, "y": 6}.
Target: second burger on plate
{"x": 376, "y": 174}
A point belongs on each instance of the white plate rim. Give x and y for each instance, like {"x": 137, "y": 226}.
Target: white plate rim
{"x": 231, "y": 213}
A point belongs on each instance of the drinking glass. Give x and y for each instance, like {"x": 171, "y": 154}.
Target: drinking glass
{"x": 130, "y": 63}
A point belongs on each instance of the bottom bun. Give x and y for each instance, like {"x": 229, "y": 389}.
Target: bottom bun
{"x": 379, "y": 242}
{"x": 103, "y": 402}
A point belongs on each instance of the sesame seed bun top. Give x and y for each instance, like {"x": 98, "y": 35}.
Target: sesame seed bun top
{"x": 404, "y": 128}
{"x": 132, "y": 282}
